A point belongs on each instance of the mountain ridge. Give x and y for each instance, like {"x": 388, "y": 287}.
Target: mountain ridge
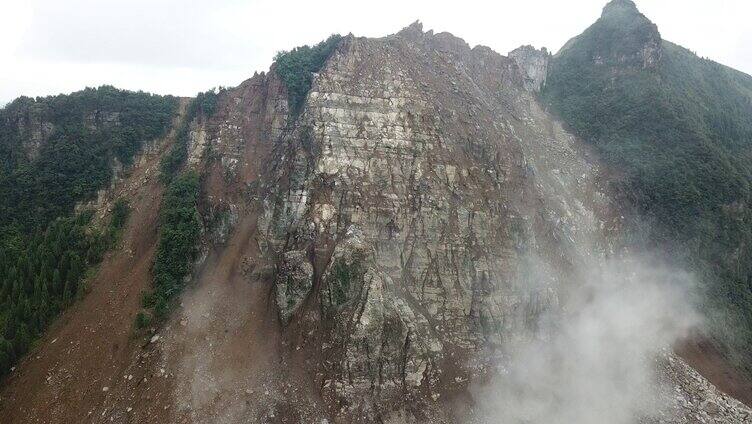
{"x": 384, "y": 222}
{"x": 676, "y": 127}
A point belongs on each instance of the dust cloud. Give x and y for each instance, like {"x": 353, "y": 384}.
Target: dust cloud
{"x": 594, "y": 360}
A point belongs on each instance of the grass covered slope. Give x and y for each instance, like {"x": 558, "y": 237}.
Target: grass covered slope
{"x": 678, "y": 129}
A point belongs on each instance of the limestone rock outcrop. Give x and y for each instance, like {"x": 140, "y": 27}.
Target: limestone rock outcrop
{"x": 417, "y": 217}
{"x": 419, "y": 180}
{"x": 534, "y": 63}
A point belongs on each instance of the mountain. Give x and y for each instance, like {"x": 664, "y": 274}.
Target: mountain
{"x": 56, "y": 153}
{"x": 676, "y": 131}
{"x": 389, "y": 230}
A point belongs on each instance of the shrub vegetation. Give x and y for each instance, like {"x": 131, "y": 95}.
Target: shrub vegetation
{"x": 297, "y": 66}
{"x": 180, "y": 228}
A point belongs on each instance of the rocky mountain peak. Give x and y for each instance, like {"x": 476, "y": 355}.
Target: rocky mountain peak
{"x": 533, "y": 63}
{"x": 624, "y": 17}
{"x": 412, "y": 31}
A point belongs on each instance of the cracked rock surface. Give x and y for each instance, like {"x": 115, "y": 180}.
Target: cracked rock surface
{"x": 420, "y": 178}
{"x": 418, "y": 216}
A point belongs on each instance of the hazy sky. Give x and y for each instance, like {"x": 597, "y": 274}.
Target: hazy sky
{"x": 182, "y": 47}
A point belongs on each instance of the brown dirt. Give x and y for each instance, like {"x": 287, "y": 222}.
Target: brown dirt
{"x": 220, "y": 358}
{"x": 91, "y": 346}
{"x": 224, "y": 339}
{"x": 703, "y": 356}
{"x": 224, "y": 344}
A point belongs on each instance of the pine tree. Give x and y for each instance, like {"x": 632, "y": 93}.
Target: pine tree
{"x": 22, "y": 340}
{"x": 57, "y": 283}
{"x": 11, "y": 324}
{"x": 66, "y": 298}
{"x": 7, "y": 356}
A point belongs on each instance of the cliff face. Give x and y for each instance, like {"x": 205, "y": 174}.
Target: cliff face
{"x": 32, "y": 129}
{"x": 397, "y": 212}
{"x": 415, "y": 220}
{"x": 534, "y": 64}
{"x": 420, "y": 181}
{"x": 372, "y": 257}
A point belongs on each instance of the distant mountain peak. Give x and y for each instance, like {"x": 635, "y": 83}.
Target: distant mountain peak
{"x": 625, "y": 14}
{"x": 619, "y": 7}
{"x": 622, "y": 37}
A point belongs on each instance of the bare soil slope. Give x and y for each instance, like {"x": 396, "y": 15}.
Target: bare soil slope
{"x": 704, "y": 357}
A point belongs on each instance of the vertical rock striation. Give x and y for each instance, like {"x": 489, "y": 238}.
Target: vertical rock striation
{"x": 414, "y": 220}
{"x": 400, "y": 207}
{"x": 534, "y": 65}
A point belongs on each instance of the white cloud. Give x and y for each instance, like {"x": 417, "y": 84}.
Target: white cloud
{"x": 181, "y": 47}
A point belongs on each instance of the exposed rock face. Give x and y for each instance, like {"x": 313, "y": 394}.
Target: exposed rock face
{"x": 101, "y": 119}
{"x": 294, "y": 282}
{"x": 32, "y": 122}
{"x": 534, "y": 64}
{"x": 33, "y": 129}
{"x": 695, "y": 400}
{"x": 418, "y": 216}
{"x": 421, "y": 178}
{"x": 196, "y": 144}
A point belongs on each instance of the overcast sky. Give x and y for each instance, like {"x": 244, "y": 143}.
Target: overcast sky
{"x": 182, "y": 47}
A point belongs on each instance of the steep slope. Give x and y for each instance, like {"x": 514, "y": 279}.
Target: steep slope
{"x": 56, "y": 153}
{"x": 419, "y": 180}
{"x": 90, "y": 346}
{"x": 378, "y": 253}
{"x": 676, "y": 131}
{"x": 379, "y": 250}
